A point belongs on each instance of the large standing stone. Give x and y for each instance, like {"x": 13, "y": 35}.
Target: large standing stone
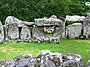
{"x": 25, "y": 33}
{"x": 86, "y": 27}
{"x": 59, "y": 31}
{"x": 13, "y": 32}
{"x": 1, "y": 31}
{"x": 37, "y": 33}
{"x": 74, "y": 30}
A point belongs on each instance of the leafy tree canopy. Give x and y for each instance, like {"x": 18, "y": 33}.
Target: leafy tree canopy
{"x": 27, "y": 10}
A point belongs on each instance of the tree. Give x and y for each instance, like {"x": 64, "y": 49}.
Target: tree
{"x": 27, "y": 10}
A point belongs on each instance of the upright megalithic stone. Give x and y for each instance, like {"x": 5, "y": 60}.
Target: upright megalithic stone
{"x": 86, "y": 27}
{"x": 1, "y": 31}
{"x": 13, "y": 31}
{"x": 74, "y": 30}
{"x": 25, "y": 33}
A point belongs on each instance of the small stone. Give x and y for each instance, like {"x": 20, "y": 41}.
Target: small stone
{"x": 54, "y": 40}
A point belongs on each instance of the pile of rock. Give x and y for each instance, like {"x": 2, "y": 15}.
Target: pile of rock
{"x": 44, "y": 59}
{"x": 38, "y": 40}
{"x": 48, "y": 39}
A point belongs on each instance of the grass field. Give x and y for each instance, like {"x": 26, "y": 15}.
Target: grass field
{"x": 10, "y": 50}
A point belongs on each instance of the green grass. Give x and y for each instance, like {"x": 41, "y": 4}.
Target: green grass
{"x": 10, "y": 50}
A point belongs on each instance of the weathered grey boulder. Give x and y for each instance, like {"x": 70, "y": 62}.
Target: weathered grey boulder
{"x": 72, "y": 60}
{"x": 88, "y": 63}
{"x": 31, "y": 63}
{"x": 75, "y": 57}
{"x": 49, "y": 63}
{"x": 70, "y": 63}
{"x": 21, "y": 65}
{"x": 86, "y": 27}
{"x": 44, "y": 56}
{"x": 1, "y": 31}
{"x": 10, "y": 63}
{"x": 60, "y": 31}
{"x": 25, "y": 33}
{"x": 23, "y": 60}
{"x": 56, "y": 58}
{"x": 17, "y": 58}
{"x": 48, "y": 57}
{"x": 74, "y": 30}
{"x": 44, "y": 52}
{"x": 13, "y": 31}
{"x": 34, "y": 62}
{"x": 37, "y": 33}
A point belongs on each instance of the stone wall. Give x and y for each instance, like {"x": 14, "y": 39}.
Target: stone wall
{"x": 44, "y": 59}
